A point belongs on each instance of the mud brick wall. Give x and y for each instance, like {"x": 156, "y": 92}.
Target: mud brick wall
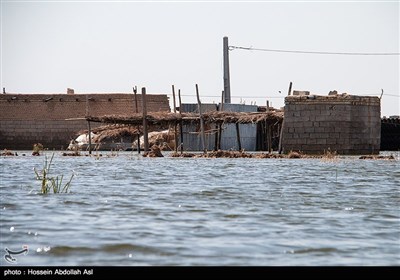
{"x": 343, "y": 123}
{"x": 26, "y": 119}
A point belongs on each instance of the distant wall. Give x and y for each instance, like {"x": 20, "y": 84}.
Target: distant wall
{"x": 390, "y": 134}
{"x": 26, "y": 119}
{"x": 346, "y": 124}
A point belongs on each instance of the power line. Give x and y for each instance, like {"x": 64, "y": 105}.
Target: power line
{"x": 306, "y": 52}
{"x": 283, "y": 96}
{"x": 234, "y": 96}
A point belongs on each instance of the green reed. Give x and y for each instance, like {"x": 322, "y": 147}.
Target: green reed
{"x": 49, "y": 182}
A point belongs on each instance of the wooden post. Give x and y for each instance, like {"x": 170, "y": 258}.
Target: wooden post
{"x": 238, "y": 137}
{"x": 144, "y": 111}
{"x": 175, "y": 124}
{"x": 269, "y": 135}
{"x": 281, "y": 136}
{"x": 266, "y": 136}
{"x": 180, "y": 101}
{"x": 258, "y": 136}
{"x": 173, "y": 98}
{"x": 219, "y": 136}
{"x": 222, "y": 101}
{"x": 135, "y": 92}
{"x": 138, "y": 127}
{"x": 280, "y": 148}
{"x": 263, "y": 136}
{"x": 181, "y": 124}
{"x": 220, "y": 124}
{"x": 290, "y": 89}
{"x": 267, "y": 132}
{"x": 90, "y": 138}
{"x": 217, "y": 125}
{"x": 216, "y": 137}
{"x": 278, "y": 131}
{"x": 227, "y": 81}
{"x": 203, "y": 135}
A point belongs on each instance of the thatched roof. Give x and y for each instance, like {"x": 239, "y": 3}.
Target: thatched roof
{"x": 242, "y": 117}
{"x": 165, "y": 118}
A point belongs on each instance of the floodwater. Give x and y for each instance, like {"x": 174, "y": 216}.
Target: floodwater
{"x": 128, "y": 210}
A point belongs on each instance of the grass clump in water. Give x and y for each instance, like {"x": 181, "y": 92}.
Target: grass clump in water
{"x": 50, "y": 183}
{"x": 329, "y": 156}
{"x": 37, "y": 148}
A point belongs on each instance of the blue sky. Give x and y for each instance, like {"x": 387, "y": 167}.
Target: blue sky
{"x": 111, "y": 46}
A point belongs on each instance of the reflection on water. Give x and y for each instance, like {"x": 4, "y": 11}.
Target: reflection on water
{"x": 129, "y": 210}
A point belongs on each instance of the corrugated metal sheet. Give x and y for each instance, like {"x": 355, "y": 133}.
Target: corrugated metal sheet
{"x": 248, "y": 132}
{"x": 248, "y": 137}
{"x": 240, "y": 108}
{"x": 193, "y": 108}
{"x": 191, "y": 133}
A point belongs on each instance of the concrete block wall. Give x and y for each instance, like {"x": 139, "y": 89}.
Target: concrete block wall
{"x": 26, "y": 119}
{"x": 22, "y": 134}
{"x": 343, "y": 123}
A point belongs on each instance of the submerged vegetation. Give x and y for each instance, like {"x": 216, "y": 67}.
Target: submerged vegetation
{"x": 37, "y": 148}
{"x": 49, "y": 182}
{"x": 243, "y": 154}
{"x": 327, "y": 156}
{"x": 6, "y": 152}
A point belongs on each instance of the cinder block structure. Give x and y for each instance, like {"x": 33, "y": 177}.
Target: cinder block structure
{"x": 343, "y": 123}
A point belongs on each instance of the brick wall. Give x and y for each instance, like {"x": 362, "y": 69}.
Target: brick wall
{"x": 26, "y": 119}
{"x": 343, "y": 123}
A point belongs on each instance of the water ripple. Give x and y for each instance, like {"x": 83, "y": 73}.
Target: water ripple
{"x": 129, "y": 210}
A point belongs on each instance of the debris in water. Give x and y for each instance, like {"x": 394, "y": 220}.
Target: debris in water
{"x": 391, "y": 157}
{"x": 8, "y": 153}
{"x": 155, "y": 151}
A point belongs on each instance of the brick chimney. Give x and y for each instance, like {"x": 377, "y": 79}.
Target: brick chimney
{"x": 70, "y": 91}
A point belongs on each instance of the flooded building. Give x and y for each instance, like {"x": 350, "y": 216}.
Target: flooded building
{"x": 26, "y": 119}
{"x": 390, "y": 133}
{"x": 343, "y": 123}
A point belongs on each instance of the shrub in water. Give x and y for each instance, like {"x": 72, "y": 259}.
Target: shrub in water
{"x": 50, "y": 182}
